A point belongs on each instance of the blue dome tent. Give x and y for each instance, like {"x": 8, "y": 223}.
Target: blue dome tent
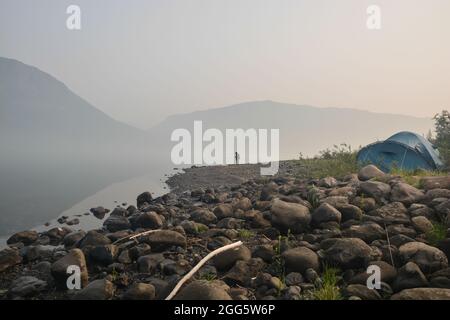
{"x": 404, "y": 150}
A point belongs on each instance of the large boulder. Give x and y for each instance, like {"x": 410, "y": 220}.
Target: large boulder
{"x": 203, "y": 216}
{"x": 428, "y": 258}
{"x": 394, "y": 212}
{"x": 325, "y": 213}
{"x": 417, "y": 209}
{"x": 117, "y": 223}
{"x": 290, "y": 199}
{"x": 145, "y": 197}
{"x": 257, "y": 219}
{"x": 139, "y": 250}
{"x": 376, "y": 189}
{"x": 443, "y": 209}
{"x": 99, "y": 212}
{"x": 225, "y": 260}
{"x": 149, "y": 263}
{"x": 204, "y": 290}
{"x": 140, "y": 291}
{"x": 366, "y": 204}
{"x": 71, "y": 239}
{"x": 440, "y": 282}
{"x": 57, "y": 234}
{"x": 124, "y": 257}
{"x": 290, "y": 216}
{"x": 243, "y": 204}
{"x": 399, "y": 240}
{"x": 26, "y": 286}
{"x": 388, "y": 272}
{"x": 362, "y": 292}
{"x": 96, "y": 290}
{"x": 93, "y": 238}
{"x": 9, "y": 258}
{"x": 223, "y": 210}
{"x": 348, "y": 253}
{"x": 410, "y": 276}
{"x": 367, "y": 232}
{"x": 300, "y": 259}
{"x": 422, "y": 224}
{"x": 148, "y": 220}
{"x": 400, "y": 229}
{"x": 161, "y": 240}
{"x": 26, "y": 237}
{"x": 104, "y": 254}
{"x": 38, "y": 252}
{"x": 327, "y": 182}
{"x": 335, "y": 201}
{"x": 406, "y": 194}
{"x": 437, "y": 193}
{"x": 423, "y": 294}
{"x": 243, "y": 272}
{"x": 264, "y": 251}
{"x": 369, "y": 172}
{"x": 350, "y": 212}
{"x": 347, "y": 191}
{"x": 119, "y": 211}
{"x": 429, "y": 183}
{"x": 59, "y": 268}
{"x": 444, "y": 245}
{"x": 268, "y": 191}
{"x": 230, "y": 223}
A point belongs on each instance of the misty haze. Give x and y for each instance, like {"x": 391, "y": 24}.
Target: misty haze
{"x": 91, "y": 93}
{"x": 57, "y": 149}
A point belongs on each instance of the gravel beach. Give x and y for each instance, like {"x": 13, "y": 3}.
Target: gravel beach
{"x": 302, "y": 239}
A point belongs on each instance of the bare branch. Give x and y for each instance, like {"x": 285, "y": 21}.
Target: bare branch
{"x": 200, "y": 264}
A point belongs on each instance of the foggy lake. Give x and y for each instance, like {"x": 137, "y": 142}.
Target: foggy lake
{"x": 31, "y": 201}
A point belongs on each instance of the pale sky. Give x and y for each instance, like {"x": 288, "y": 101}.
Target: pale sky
{"x": 142, "y": 60}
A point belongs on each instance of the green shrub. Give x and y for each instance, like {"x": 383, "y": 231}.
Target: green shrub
{"x": 442, "y": 140}
{"x": 208, "y": 277}
{"x": 278, "y": 261}
{"x": 437, "y": 234}
{"x": 336, "y": 162}
{"x": 328, "y": 289}
{"x": 413, "y": 177}
{"x": 246, "y": 234}
{"x": 201, "y": 228}
{"x": 313, "y": 197}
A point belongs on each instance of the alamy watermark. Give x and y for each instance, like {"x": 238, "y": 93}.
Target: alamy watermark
{"x": 73, "y": 282}
{"x": 73, "y": 21}
{"x": 374, "y": 17}
{"x": 374, "y": 280}
{"x": 238, "y": 143}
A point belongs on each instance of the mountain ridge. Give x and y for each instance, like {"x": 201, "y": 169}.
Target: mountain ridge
{"x": 303, "y": 129}
{"x": 41, "y": 113}
{"x": 294, "y": 105}
{"x": 37, "y": 108}
{"x": 17, "y": 64}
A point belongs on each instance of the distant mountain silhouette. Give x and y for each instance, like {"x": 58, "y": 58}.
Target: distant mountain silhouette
{"x": 304, "y": 129}
{"x": 39, "y": 114}
{"x": 55, "y": 148}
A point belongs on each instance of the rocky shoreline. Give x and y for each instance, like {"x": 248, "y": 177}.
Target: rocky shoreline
{"x": 294, "y": 231}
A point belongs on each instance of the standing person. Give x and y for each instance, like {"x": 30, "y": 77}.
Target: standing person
{"x": 236, "y": 157}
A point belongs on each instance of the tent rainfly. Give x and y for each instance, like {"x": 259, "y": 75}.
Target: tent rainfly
{"x": 404, "y": 150}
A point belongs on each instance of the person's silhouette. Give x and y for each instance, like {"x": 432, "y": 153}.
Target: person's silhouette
{"x": 236, "y": 157}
